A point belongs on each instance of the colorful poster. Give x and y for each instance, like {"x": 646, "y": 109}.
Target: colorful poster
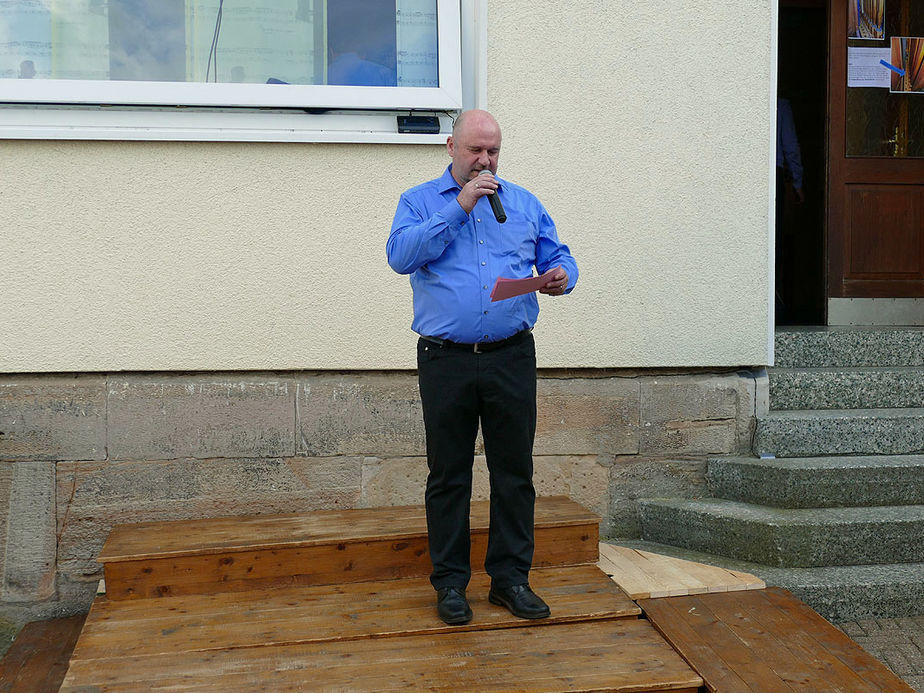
{"x": 907, "y": 65}
{"x": 866, "y": 19}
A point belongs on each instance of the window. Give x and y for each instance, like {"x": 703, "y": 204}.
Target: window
{"x": 97, "y": 65}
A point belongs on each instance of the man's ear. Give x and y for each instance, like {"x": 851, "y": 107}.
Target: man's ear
{"x": 450, "y": 145}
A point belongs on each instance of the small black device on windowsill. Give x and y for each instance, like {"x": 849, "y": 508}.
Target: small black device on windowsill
{"x": 429, "y": 125}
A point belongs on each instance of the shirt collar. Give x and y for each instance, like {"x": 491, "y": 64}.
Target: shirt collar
{"x": 447, "y": 182}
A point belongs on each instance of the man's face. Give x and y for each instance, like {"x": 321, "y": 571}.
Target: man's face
{"x": 475, "y": 147}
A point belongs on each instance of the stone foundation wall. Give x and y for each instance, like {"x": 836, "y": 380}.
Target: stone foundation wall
{"x": 80, "y": 453}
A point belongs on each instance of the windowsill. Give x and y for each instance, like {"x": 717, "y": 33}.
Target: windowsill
{"x": 208, "y": 125}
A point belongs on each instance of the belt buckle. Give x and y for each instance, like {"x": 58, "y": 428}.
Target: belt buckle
{"x": 477, "y": 351}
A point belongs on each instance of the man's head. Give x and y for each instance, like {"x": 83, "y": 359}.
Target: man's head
{"x": 474, "y": 145}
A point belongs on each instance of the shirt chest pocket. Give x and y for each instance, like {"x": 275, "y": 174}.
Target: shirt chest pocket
{"x": 516, "y": 241}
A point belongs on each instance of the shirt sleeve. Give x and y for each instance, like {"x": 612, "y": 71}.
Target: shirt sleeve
{"x": 416, "y": 240}
{"x": 788, "y": 142}
{"x": 551, "y": 252}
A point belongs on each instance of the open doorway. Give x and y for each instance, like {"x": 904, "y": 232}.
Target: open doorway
{"x": 802, "y": 79}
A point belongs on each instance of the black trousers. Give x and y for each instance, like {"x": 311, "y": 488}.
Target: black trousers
{"x": 459, "y": 389}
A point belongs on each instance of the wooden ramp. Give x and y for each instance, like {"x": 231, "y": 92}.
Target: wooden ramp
{"x": 37, "y": 660}
{"x": 340, "y": 601}
{"x": 766, "y": 641}
{"x": 642, "y": 574}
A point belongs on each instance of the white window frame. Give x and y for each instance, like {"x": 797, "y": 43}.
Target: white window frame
{"x": 102, "y": 110}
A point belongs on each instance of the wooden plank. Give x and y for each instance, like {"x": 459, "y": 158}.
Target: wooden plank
{"x": 808, "y": 669}
{"x": 268, "y": 532}
{"x": 748, "y": 581}
{"x": 765, "y": 640}
{"x": 675, "y": 573}
{"x": 698, "y": 651}
{"x": 836, "y": 642}
{"x": 625, "y": 655}
{"x": 337, "y": 612}
{"x": 320, "y": 564}
{"x": 37, "y": 660}
{"x": 628, "y": 575}
{"x": 644, "y": 575}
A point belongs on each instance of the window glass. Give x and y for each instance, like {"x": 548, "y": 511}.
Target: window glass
{"x": 298, "y": 42}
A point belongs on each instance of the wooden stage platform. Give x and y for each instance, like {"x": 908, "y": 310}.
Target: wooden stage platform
{"x": 340, "y": 601}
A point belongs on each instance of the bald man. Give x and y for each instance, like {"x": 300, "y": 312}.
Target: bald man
{"x": 476, "y": 359}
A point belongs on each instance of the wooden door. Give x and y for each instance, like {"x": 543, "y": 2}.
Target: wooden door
{"x": 875, "y": 215}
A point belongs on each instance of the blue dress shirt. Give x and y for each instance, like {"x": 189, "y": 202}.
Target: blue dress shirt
{"x": 454, "y": 259}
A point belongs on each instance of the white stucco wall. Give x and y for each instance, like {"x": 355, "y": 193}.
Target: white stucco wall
{"x": 645, "y": 128}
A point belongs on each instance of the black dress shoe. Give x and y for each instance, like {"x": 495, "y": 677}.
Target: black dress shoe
{"x": 520, "y": 600}
{"x": 452, "y": 606}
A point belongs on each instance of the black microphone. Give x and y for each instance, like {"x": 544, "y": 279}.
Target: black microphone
{"x": 496, "y": 205}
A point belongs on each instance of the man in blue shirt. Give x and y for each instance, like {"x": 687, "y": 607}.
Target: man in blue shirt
{"x": 476, "y": 359}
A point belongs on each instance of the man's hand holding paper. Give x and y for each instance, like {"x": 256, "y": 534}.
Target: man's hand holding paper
{"x": 552, "y": 282}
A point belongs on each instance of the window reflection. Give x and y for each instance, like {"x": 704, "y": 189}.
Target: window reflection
{"x": 345, "y": 42}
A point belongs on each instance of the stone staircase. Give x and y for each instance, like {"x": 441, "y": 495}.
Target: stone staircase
{"x": 832, "y": 505}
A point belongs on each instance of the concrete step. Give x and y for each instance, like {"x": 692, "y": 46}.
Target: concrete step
{"x": 839, "y": 593}
{"x": 855, "y": 346}
{"x": 841, "y": 388}
{"x": 819, "y": 482}
{"x": 799, "y": 538}
{"x": 820, "y": 432}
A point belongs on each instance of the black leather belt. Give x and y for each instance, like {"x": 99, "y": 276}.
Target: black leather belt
{"x": 481, "y": 347}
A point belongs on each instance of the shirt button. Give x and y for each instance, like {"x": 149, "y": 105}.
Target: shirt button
{"x": 486, "y": 336}
{"x": 485, "y": 286}
{"x": 483, "y": 264}
{"x": 482, "y": 242}
{"x": 486, "y": 312}
{"x": 477, "y": 219}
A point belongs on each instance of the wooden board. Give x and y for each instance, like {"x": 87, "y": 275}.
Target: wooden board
{"x": 644, "y": 575}
{"x": 335, "y": 612}
{"x": 625, "y": 655}
{"x": 239, "y": 554}
{"x": 272, "y": 532}
{"x": 37, "y": 660}
{"x": 763, "y": 641}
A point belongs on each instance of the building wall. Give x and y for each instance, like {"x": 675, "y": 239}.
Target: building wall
{"x": 645, "y": 129}
{"x": 202, "y": 329}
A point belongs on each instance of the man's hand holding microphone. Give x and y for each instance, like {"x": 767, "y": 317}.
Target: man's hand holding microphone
{"x": 479, "y": 186}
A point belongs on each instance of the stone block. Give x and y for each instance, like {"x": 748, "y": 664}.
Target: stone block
{"x": 163, "y": 417}
{"x": 840, "y": 432}
{"x": 689, "y": 414}
{"x": 29, "y": 547}
{"x": 92, "y": 496}
{"x": 52, "y": 418}
{"x": 587, "y": 416}
{"x": 403, "y": 481}
{"x": 809, "y": 537}
{"x": 632, "y": 478}
{"x": 366, "y": 414}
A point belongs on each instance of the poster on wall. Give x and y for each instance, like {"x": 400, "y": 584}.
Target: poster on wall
{"x": 866, "y": 19}
{"x": 907, "y": 65}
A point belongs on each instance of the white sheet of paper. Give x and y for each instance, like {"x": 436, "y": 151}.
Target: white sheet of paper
{"x": 864, "y": 68}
